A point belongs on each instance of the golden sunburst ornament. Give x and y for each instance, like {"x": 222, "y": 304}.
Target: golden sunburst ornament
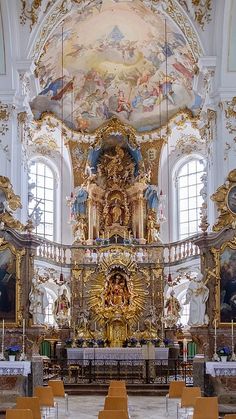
{"x": 118, "y": 289}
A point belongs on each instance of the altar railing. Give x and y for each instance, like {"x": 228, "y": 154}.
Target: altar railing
{"x": 172, "y": 253}
{"x": 133, "y": 371}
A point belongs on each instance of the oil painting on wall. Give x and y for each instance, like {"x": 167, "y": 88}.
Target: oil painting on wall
{"x": 113, "y": 63}
{"x": 7, "y": 286}
{"x": 228, "y": 285}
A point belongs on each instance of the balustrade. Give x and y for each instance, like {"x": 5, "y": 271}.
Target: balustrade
{"x": 171, "y": 253}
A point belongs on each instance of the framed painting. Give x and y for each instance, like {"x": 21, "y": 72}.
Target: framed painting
{"x": 225, "y": 263}
{"x": 10, "y": 260}
{"x": 231, "y": 200}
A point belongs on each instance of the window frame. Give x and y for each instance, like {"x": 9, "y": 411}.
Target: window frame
{"x": 176, "y": 213}
{"x": 51, "y": 167}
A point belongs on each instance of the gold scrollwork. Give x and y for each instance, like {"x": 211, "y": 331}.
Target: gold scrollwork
{"x": 17, "y": 254}
{"x": 225, "y": 199}
{"x": 216, "y": 273}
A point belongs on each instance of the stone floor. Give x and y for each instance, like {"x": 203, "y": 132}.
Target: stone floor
{"x": 146, "y": 407}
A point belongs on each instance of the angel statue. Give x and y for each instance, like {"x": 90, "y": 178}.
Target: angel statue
{"x": 197, "y": 296}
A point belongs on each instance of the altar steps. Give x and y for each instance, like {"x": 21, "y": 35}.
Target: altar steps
{"x": 132, "y": 389}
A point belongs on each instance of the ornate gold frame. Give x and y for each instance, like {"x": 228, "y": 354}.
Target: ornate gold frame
{"x": 18, "y": 254}
{"x": 227, "y": 200}
{"x": 217, "y": 252}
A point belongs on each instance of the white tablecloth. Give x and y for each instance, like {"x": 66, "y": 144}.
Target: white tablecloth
{"x": 15, "y": 368}
{"x": 115, "y": 354}
{"x": 216, "y": 369}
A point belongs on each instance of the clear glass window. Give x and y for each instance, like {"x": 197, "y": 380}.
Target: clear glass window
{"x": 41, "y": 206}
{"x": 189, "y": 185}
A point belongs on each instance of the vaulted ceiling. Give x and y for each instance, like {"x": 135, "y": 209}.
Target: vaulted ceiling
{"x": 119, "y": 59}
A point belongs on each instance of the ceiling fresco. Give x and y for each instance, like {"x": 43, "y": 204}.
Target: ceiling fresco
{"x": 116, "y": 62}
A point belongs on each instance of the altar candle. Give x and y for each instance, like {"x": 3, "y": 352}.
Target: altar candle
{"x": 232, "y": 328}
{"x": 23, "y": 326}
{"x": 3, "y": 328}
{"x": 215, "y": 327}
{"x": 95, "y": 326}
{"x": 103, "y": 235}
{"x": 185, "y": 350}
{"x": 138, "y": 326}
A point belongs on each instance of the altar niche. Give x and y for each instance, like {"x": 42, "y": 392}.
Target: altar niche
{"x": 116, "y": 291}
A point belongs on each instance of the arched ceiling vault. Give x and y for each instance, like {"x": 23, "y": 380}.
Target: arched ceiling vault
{"x": 117, "y": 58}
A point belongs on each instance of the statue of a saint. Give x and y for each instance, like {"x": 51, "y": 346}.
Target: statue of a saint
{"x": 116, "y": 212}
{"x": 173, "y": 306}
{"x": 38, "y": 302}
{"x": 62, "y": 304}
{"x": 197, "y": 295}
{"x": 117, "y": 293}
{"x": 114, "y": 165}
{"x": 80, "y": 230}
{"x": 152, "y": 229}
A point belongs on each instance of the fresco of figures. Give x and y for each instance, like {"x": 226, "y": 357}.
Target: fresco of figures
{"x": 115, "y": 65}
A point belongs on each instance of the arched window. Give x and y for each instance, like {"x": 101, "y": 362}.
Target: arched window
{"x": 41, "y": 198}
{"x": 189, "y": 200}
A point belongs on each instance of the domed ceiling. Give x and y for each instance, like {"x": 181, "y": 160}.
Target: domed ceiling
{"x": 115, "y": 63}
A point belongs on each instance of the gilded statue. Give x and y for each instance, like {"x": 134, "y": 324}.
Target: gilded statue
{"x": 117, "y": 293}
{"x": 116, "y": 212}
{"x": 114, "y": 166}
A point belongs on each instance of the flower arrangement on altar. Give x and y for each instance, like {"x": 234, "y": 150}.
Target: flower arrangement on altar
{"x": 13, "y": 350}
{"x": 132, "y": 342}
{"x": 224, "y": 351}
{"x": 79, "y": 342}
{"x": 168, "y": 342}
{"x": 69, "y": 342}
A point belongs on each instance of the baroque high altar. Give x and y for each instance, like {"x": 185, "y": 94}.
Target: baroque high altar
{"x": 119, "y": 294}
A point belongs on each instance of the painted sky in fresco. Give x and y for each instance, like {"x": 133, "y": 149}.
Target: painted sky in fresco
{"x": 114, "y": 63}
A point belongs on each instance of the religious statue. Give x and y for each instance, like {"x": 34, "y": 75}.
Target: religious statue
{"x": 152, "y": 228}
{"x": 117, "y": 293}
{"x": 79, "y": 204}
{"x": 38, "y": 302}
{"x": 80, "y": 230}
{"x": 114, "y": 166}
{"x": 173, "y": 306}
{"x": 62, "y": 304}
{"x": 152, "y": 197}
{"x": 197, "y": 295}
{"x": 116, "y": 212}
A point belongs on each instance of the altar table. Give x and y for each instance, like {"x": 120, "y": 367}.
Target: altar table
{"x": 217, "y": 369}
{"x": 115, "y": 354}
{"x": 15, "y": 368}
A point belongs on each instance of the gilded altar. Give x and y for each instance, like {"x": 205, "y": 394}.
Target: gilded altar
{"x": 117, "y": 208}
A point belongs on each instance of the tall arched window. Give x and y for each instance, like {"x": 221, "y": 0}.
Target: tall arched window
{"x": 41, "y": 198}
{"x": 189, "y": 185}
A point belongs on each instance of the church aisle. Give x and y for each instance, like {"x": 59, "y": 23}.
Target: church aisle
{"x": 87, "y": 407}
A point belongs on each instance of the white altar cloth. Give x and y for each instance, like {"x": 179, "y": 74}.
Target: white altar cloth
{"x": 15, "y": 368}
{"x": 216, "y": 369}
{"x": 114, "y": 354}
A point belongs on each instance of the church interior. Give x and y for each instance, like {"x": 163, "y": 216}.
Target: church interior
{"x": 118, "y": 205}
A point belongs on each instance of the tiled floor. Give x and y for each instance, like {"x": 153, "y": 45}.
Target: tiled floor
{"x": 87, "y": 407}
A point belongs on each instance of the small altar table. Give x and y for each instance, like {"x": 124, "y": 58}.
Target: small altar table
{"x": 15, "y": 368}
{"x": 217, "y": 369}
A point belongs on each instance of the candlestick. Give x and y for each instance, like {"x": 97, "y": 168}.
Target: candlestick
{"x": 215, "y": 355}
{"x": 95, "y": 326}
{"x": 185, "y": 350}
{"x": 23, "y": 355}
{"x": 2, "y": 357}
{"x": 138, "y": 326}
{"x": 23, "y": 326}
{"x": 233, "y": 355}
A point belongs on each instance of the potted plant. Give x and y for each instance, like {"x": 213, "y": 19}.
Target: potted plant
{"x": 224, "y": 352}
{"x": 79, "y": 342}
{"x": 68, "y": 343}
{"x": 12, "y": 351}
{"x": 132, "y": 342}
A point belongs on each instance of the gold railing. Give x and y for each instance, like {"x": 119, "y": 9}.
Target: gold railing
{"x": 67, "y": 255}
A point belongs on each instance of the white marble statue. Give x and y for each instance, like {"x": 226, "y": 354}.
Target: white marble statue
{"x": 38, "y": 302}
{"x": 197, "y": 295}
